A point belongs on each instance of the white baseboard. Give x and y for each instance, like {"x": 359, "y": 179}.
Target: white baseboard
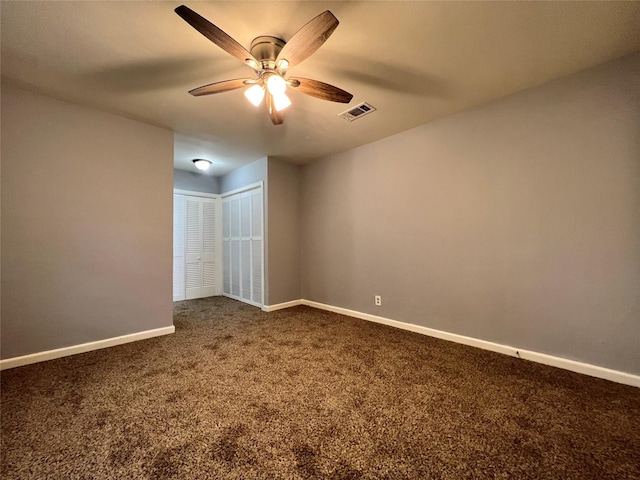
{"x": 280, "y": 306}
{"x": 566, "y": 364}
{"x": 82, "y": 348}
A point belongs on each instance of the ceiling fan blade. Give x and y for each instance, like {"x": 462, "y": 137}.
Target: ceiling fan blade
{"x": 321, "y": 90}
{"x": 277, "y": 118}
{"x": 213, "y": 33}
{"x": 219, "y": 87}
{"x": 309, "y": 38}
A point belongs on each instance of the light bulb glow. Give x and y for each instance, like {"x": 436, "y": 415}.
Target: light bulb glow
{"x": 255, "y": 94}
{"x": 202, "y": 164}
{"x": 283, "y": 64}
{"x": 281, "y": 101}
{"x": 276, "y": 85}
{"x": 252, "y": 63}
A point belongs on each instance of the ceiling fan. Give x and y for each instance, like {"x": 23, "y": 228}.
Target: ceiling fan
{"x": 270, "y": 57}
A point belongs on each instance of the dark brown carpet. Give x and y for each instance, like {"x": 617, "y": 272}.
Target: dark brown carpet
{"x": 302, "y": 393}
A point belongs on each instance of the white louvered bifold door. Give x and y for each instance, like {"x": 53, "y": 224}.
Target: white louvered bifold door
{"x": 178, "y": 247}
{"x": 243, "y": 247}
{"x": 195, "y": 247}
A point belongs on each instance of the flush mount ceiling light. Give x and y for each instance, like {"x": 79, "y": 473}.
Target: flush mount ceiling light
{"x": 270, "y": 57}
{"x": 202, "y": 164}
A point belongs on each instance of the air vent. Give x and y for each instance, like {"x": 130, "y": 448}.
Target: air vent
{"x": 358, "y": 111}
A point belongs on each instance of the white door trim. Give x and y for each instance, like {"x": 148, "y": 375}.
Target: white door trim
{"x": 177, "y": 191}
{"x": 244, "y": 189}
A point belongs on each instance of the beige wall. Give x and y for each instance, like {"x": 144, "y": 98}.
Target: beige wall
{"x": 283, "y": 275}
{"x": 517, "y": 222}
{"x": 86, "y": 224}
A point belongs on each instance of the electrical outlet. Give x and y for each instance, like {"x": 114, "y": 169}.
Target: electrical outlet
{"x": 378, "y": 300}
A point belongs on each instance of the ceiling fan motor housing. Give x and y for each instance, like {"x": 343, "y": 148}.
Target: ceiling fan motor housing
{"x": 265, "y": 49}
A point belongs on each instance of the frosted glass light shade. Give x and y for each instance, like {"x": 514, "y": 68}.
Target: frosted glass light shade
{"x": 255, "y": 94}
{"x": 283, "y": 64}
{"x": 201, "y": 163}
{"x": 281, "y": 101}
{"x": 276, "y": 85}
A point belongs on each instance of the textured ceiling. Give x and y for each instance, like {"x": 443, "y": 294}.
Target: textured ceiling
{"x": 414, "y": 61}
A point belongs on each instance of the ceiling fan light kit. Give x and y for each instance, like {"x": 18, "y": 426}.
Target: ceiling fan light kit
{"x": 255, "y": 94}
{"x": 281, "y": 101}
{"x": 270, "y": 58}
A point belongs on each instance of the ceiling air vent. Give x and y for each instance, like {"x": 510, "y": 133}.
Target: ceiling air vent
{"x": 358, "y": 111}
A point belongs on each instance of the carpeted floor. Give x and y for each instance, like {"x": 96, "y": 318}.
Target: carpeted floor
{"x": 303, "y": 393}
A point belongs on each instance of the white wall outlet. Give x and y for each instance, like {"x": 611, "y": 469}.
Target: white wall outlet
{"x": 378, "y": 300}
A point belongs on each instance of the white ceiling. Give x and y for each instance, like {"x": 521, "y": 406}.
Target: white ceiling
{"x": 414, "y": 61}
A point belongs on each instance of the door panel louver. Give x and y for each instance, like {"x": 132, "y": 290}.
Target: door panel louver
{"x": 246, "y": 272}
{"x": 226, "y": 230}
{"x": 193, "y": 276}
{"x": 235, "y": 217}
{"x": 256, "y": 215}
{"x": 245, "y": 217}
{"x": 194, "y": 248}
{"x": 194, "y": 237}
{"x": 209, "y": 240}
{"x": 256, "y": 247}
{"x": 235, "y": 268}
{"x": 209, "y": 275}
{"x": 178, "y": 278}
{"x": 178, "y": 226}
{"x": 226, "y": 267}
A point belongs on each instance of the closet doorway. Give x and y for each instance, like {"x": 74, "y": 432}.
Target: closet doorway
{"x": 243, "y": 244}
{"x": 197, "y": 265}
